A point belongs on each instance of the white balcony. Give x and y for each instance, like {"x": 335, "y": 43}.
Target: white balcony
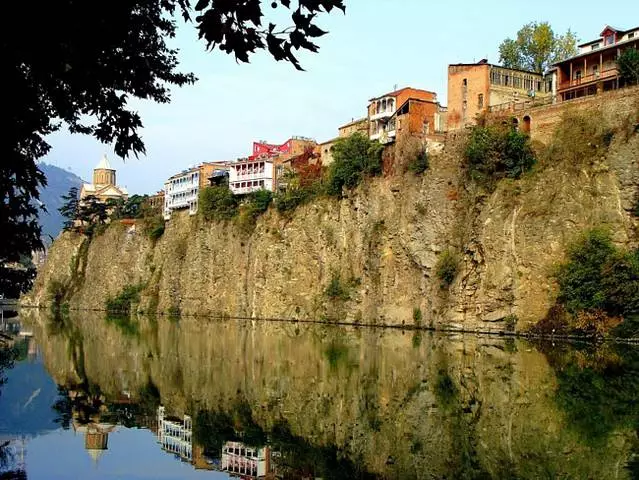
{"x": 383, "y": 114}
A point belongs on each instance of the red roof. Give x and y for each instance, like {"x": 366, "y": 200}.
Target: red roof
{"x": 397, "y": 92}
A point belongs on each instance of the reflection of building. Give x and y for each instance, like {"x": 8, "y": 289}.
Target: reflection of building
{"x": 594, "y": 68}
{"x": 104, "y": 184}
{"x": 96, "y": 437}
{"x": 176, "y": 436}
{"x": 245, "y": 461}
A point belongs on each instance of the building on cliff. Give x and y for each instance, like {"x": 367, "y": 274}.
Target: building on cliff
{"x": 594, "y": 69}
{"x": 104, "y": 185}
{"x": 259, "y": 171}
{"x": 325, "y": 149}
{"x": 476, "y": 88}
{"x": 182, "y": 190}
{"x": 405, "y": 111}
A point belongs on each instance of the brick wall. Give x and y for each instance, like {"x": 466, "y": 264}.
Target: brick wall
{"x": 477, "y": 83}
{"x": 611, "y": 106}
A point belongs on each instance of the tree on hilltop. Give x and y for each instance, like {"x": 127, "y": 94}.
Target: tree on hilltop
{"x": 79, "y": 63}
{"x": 536, "y": 47}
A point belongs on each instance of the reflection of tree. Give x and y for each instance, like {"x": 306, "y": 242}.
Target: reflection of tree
{"x": 597, "y": 388}
{"x": 8, "y": 356}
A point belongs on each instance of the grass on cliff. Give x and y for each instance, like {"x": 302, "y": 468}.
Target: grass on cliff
{"x": 447, "y": 268}
{"x": 598, "y": 289}
{"x": 122, "y": 302}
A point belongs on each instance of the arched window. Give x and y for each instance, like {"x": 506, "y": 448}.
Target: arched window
{"x": 527, "y": 124}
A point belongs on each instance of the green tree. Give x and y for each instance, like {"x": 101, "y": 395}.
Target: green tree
{"x": 628, "y": 64}
{"x": 354, "y": 158}
{"x": 218, "y": 203}
{"x": 537, "y": 47}
{"x": 79, "y": 63}
{"x": 71, "y": 208}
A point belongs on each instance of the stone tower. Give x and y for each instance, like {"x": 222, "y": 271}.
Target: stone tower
{"x": 103, "y": 174}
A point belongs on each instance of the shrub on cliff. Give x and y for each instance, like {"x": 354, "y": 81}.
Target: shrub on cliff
{"x": 447, "y": 268}
{"x": 121, "y": 303}
{"x": 628, "y": 64}
{"x": 354, "y": 158}
{"x": 218, "y": 203}
{"x": 420, "y": 163}
{"x": 497, "y": 151}
{"x": 599, "y": 284}
{"x": 255, "y": 204}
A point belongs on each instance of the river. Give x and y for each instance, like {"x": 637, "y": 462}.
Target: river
{"x": 92, "y": 397}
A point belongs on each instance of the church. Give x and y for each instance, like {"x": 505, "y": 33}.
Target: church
{"x": 104, "y": 186}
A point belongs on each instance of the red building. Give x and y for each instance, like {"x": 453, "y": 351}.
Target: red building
{"x": 594, "y": 68}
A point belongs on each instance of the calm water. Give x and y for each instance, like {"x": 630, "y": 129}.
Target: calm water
{"x": 90, "y": 397}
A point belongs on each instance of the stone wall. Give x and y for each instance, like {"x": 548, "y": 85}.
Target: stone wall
{"x": 611, "y": 107}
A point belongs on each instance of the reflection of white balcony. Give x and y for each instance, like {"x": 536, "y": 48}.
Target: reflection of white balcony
{"x": 384, "y": 114}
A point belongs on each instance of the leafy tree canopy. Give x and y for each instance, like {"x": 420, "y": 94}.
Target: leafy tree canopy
{"x": 536, "y": 47}
{"x": 79, "y": 63}
{"x": 628, "y": 63}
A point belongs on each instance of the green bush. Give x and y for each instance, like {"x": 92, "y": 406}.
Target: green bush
{"x": 338, "y": 290}
{"x": 419, "y": 164}
{"x": 293, "y": 197}
{"x": 497, "y": 151}
{"x": 628, "y": 64}
{"x": 354, "y": 158}
{"x": 255, "y": 204}
{"x": 153, "y": 227}
{"x": 447, "y": 268}
{"x": 121, "y": 303}
{"x": 218, "y": 203}
{"x": 417, "y": 315}
{"x": 600, "y": 281}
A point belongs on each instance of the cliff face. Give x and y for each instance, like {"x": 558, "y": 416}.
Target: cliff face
{"x": 383, "y": 240}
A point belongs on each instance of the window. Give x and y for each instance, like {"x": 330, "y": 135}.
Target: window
{"x": 578, "y": 75}
{"x": 595, "y": 46}
{"x": 465, "y": 82}
{"x": 609, "y": 40}
{"x": 480, "y": 101}
{"x": 631, "y": 35}
{"x": 506, "y": 80}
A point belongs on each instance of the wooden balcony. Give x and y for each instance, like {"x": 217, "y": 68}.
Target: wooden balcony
{"x": 589, "y": 79}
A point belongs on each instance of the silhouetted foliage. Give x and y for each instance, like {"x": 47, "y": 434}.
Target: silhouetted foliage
{"x": 78, "y": 64}
{"x": 70, "y": 209}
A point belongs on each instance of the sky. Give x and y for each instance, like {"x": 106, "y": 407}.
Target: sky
{"x": 377, "y": 45}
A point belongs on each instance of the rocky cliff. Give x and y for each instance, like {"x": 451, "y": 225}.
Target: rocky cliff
{"x": 382, "y": 241}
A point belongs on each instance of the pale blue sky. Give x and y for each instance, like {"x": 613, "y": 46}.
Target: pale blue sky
{"x": 376, "y": 45}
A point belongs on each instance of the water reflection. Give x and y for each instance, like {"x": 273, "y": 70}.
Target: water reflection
{"x": 279, "y": 400}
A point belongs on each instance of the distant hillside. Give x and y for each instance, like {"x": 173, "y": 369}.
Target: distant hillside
{"x": 59, "y": 182}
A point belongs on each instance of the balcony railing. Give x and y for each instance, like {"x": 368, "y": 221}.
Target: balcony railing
{"x": 383, "y": 114}
{"x": 586, "y": 79}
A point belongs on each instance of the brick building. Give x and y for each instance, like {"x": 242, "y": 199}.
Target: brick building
{"x": 594, "y": 69}
{"x": 473, "y": 88}
{"x": 415, "y": 111}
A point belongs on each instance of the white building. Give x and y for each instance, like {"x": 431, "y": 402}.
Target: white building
{"x": 176, "y": 436}
{"x": 181, "y": 191}
{"x": 251, "y": 175}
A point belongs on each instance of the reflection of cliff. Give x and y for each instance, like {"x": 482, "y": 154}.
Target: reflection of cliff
{"x": 362, "y": 401}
